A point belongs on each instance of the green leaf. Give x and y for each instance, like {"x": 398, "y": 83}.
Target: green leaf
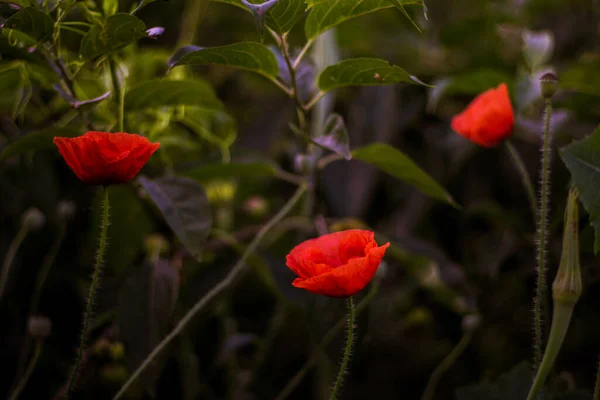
{"x": 144, "y": 313}
{"x": 363, "y": 72}
{"x": 511, "y": 385}
{"x": 160, "y": 93}
{"x": 398, "y": 4}
{"x": 282, "y": 17}
{"x": 118, "y": 31}
{"x": 35, "y": 23}
{"x": 239, "y": 170}
{"x": 395, "y": 163}
{"x": 36, "y": 141}
{"x": 335, "y": 136}
{"x": 326, "y": 14}
{"x": 110, "y": 7}
{"x": 15, "y": 87}
{"x": 184, "y": 205}
{"x": 142, "y": 4}
{"x": 582, "y": 158}
{"x": 250, "y": 56}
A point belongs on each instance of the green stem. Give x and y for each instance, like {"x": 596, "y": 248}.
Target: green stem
{"x": 560, "y": 324}
{"x": 221, "y": 287}
{"x": 297, "y": 379}
{"x": 445, "y": 365}
{"x": 597, "y": 386}
{"x": 92, "y": 294}
{"x": 349, "y": 345}
{"x": 117, "y": 89}
{"x": 32, "y": 364}
{"x": 540, "y": 295}
{"x": 10, "y": 257}
{"x": 524, "y": 175}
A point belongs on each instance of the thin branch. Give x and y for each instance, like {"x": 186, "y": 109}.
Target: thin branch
{"x": 302, "y": 53}
{"x": 314, "y": 101}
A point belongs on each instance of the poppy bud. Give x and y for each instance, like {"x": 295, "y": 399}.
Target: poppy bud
{"x": 549, "y": 85}
{"x": 33, "y": 219}
{"x": 39, "y": 327}
{"x": 567, "y": 286}
{"x": 66, "y": 209}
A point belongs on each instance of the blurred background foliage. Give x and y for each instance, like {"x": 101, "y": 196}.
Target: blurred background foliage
{"x": 445, "y": 266}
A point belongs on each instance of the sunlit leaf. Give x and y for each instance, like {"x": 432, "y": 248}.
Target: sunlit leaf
{"x": 325, "y": 14}
{"x": 160, "y": 93}
{"x": 395, "y": 163}
{"x": 246, "y": 55}
{"x": 36, "y": 141}
{"x": 582, "y": 158}
{"x": 363, "y": 72}
{"x": 335, "y": 136}
{"x": 33, "y": 22}
{"x": 118, "y": 31}
{"x": 184, "y": 205}
{"x": 281, "y": 17}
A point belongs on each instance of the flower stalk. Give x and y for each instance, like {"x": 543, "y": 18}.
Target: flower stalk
{"x": 347, "y": 352}
{"x": 92, "y": 294}
{"x": 566, "y": 290}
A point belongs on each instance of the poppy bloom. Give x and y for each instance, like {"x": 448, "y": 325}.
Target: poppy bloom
{"x": 488, "y": 120}
{"x": 340, "y": 264}
{"x": 102, "y": 158}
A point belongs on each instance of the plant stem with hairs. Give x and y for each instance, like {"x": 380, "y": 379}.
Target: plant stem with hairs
{"x": 542, "y": 237}
{"x": 234, "y": 275}
{"x": 347, "y": 352}
{"x": 92, "y": 294}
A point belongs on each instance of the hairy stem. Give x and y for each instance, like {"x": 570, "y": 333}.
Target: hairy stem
{"x": 32, "y": 364}
{"x": 221, "y": 287}
{"x": 89, "y": 309}
{"x": 540, "y": 302}
{"x": 560, "y": 324}
{"x": 9, "y": 259}
{"x": 446, "y": 364}
{"x": 348, "y": 351}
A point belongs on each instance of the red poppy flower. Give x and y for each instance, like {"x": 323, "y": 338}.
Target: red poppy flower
{"x": 340, "y": 264}
{"x": 102, "y": 158}
{"x": 489, "y": 118}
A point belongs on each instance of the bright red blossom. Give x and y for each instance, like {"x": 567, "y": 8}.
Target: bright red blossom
{"x": 339, "y": 264}
{"x": 102, "y": 158}
{"x": 488, "y": 120}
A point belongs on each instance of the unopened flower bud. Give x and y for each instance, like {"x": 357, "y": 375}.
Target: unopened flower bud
{"x": 549, "y": 85}
{"x": 39, "y": 327}
{"x": 567, "y": 286}
{"x": 33, "y": 219}
{"x": 66, "y": 209}
{"x": 471, "y": 322}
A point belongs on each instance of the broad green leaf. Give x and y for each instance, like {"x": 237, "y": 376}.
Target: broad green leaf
{"x": 160, "y": 93}
{"x": 325, "y": 14}
{"x": 239, "y": 170}
{"x": 282, "y": 17}
{"x": 118, "y": 31}
{"x": 15, "y": 87}
{"x": 110, "y": 7}
{"x": 363, "y": 72}
{"x": 144, "y": 313}
{"x": 395, "y": 163}
{"x": 511, "y": 385}
{"x": 184, "y": 205}
{"x": 142, "y": 4}
{"x": 35, "y": 23}
{"x": 250, "y": 56}
{"x": 36, "y": 141}
{"x": 582, "y": 158}
{"x": 400, "y": 7}
{"x": 582, "y": 77}
{"x": 335, "y": 136}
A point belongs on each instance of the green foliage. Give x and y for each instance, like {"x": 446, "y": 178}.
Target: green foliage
{"x": 281, "y": 17}
{"x": 118, "y": 31}
{"x": 247, "y": 55}
{"x": 15, "y": 87}
{"x": 184, "y": 205}
{"x": 582, "y": 158}
{"x": 363, "y": 72}
{"x": 395, "y": 163}
{"x": 36, "y": 141}
{"x": 239, "y": 170}
{"x": 157, "y": 93}
{"x": 34, "y": 23}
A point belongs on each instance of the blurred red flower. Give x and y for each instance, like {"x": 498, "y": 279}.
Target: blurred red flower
{"x": 339, "y": 264}
{"x": 102, "y": 158}
{"x": 488, "y": 120}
